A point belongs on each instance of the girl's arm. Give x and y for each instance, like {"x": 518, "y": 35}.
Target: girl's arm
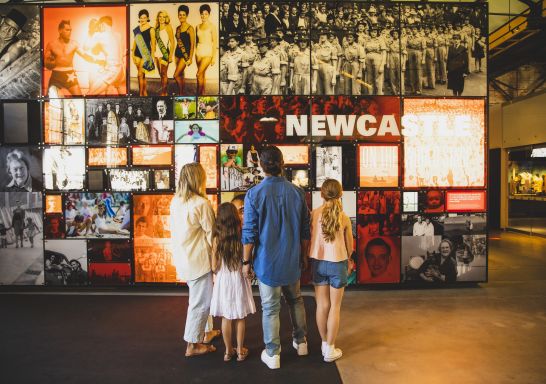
{"x": 213, "y": 259}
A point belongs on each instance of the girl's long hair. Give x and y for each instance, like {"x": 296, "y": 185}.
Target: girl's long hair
{"x": 226, "y": 234}
{"x": 191, "y": 182}
{"x": 331, "y": 213}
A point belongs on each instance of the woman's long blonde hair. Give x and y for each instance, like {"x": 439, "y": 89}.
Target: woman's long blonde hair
{"x": 191, "y": 181}
{"x": 331, "y": 213}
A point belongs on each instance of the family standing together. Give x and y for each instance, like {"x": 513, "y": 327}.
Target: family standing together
{"x": 245, "y": 239}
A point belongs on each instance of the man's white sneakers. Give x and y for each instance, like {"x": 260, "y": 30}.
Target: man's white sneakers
{"x": 272, "y": 362}
{"x": 301, "y": 348}
{"x": 331, "y": 353}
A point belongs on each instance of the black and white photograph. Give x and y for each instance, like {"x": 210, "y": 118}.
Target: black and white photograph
{"x": 21, "y": 123}
{"x": 19, "y": 51}
{"x": 329, "y": 164}
{"x": 20, "y": 169}
{"x": 183, "y": 154}
{"x": 415, "y": 251}
{"x": 129, "y": 179}
{"x": 265, "y": 48}
{"x": 299, "y": 177}
{"x": 423, "y": 225}
{"x": 64, "y": 121}
{"x": 356, "y": 48}
{"x": 410, "y": 201}
{"x": 65, "y": 262}
{"x": 21, "y": 233}
{"x": 445, "y": 47}
{"x": 64, "y": 168}
{"x": 471, "y": 257}
{"x": 174, "y": 49}
{"x": 109, "y": 251}
{"x": 465, "y": 224}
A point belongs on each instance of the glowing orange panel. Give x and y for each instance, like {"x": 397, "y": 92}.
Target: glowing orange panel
{"x": 152, "y": 155}
{"x": 106, "y": 157}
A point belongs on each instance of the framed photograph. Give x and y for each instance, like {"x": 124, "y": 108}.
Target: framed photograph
{"x": 185, "y": 108}
{"x": 378, "y": 165}
{"x": 109, "y": 273}
{"x": 84, "y": 51}
{"x": 466, "y": 201}
{"x": 21, "y": 123}
{"x": 294, "y": 154}
{"x": 109, "y": 251}
{"x": 65, "y": 263}
{"x": 432, "y": 201}
{"x": 378, "y": 260}
{"x": 378, "y": 202}
{"x": 157, "y": 155}
{"x": 208, "y": 107}
{"x": 232, "y": 170}
{"x": 444, "y": 142}
{"x": 299, "y": 177}
{"x": 98, "y": 215}
{"x": 107, "y": 157}
{"x": 64, "y": 121}
{"x": 129, "y": 179}
{"x": 425, "y": 226}
{"x": 54, "y": 226}
{"x": 196, "y": 131}
{"x": 20, "y": 51}
{"x": 329, "y": 164}
{"x": 162, "y": 179}
{"x": 111, "y": 121}
{"x": 64, "y": 168}
{"x": 208, "y": 158}
{"x": 410, "y": 201}
{"x": 96, "y": 180}
{"x": 21, "y": 230}
{"x": 183, "y": 154}
{"x": 465, "y": 224}
{"x": 164, "y": 47}
{"x": 53, "y": 203}
{"x": 20, "y": 169}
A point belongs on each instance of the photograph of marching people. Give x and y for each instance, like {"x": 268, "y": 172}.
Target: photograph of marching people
{"x": 109, "y": 251}
{"x": 264, "y": 48}
{"x": 97, "y": 215}
{"x": 109, "y": 273}
{"x": 379, "y": 202}
{"x": 64, "y": 168}
{"x": 54, "y": 227}
{"x": 20, "y": 169}
{"x": 262, "y": 119}
{"x": 129, "y": 179}
{"x": 65, "y": 262}
{"x": 21, "y": 245}
{"x": 444, "y": 142}
{"x": 153, "y": 259}
{"x": 444, "y": 46}
{"x": 174, "y": 49}
{"x": 19, "y": 51}
{"x": 384, "y": 111}
{"x": 84, "y": 51}
{"x": 64, "y": 121}
{"x": 21, "y": 122}
{"x": 356, "y": 48}
{"x": 196, "y": 131}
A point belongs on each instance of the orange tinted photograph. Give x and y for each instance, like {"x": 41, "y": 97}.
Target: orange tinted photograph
{"x": 84, "y": 51}
{"x": 152, "y": 155}
{"x": 106, "y": 157}
{"x": 208, "y": 159}
{"x": 54, "y": 204}
{"x": 295, "y": 154}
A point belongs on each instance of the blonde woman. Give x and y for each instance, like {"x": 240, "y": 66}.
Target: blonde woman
{"x": 192, "y": 221}
{"x": 206, "y": 46}
{"x": 330, "y": 252}
{"x": 164, "y": 47}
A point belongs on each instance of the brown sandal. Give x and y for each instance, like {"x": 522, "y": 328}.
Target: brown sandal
{"x": 229, "y": 356}
{"x": 241, "y": 356}
{"x": 207, "y": 349}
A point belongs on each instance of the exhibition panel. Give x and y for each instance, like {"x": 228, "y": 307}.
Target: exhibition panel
{"x": 380, "y": 96}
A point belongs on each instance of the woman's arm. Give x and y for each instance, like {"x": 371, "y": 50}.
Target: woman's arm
{"x": 214, "y": 39}
{"x": 192, "y": 33}
{"x": 171, "y": 42}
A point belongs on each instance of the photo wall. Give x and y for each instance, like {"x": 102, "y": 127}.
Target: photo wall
{"x": 101, "y": 105}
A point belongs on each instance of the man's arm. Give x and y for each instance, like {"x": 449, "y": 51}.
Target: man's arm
{"x": 305, "y": 234}
{"x": 250, "y": 233}
{"x": 49, "y": 57}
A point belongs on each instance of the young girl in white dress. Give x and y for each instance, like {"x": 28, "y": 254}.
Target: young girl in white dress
{"x": 232, "y": 294}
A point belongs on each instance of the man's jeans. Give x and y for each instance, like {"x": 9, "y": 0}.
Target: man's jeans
{"x": 271, "y": 307}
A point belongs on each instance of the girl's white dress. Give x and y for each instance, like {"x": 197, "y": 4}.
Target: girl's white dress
{"x": 231, "y": 295}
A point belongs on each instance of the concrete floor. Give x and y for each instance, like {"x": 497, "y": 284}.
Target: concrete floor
{"x": 491, "y": 333}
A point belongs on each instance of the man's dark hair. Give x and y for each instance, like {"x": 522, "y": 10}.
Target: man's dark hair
{"x": 377, "y": 242}
{"x": 63, "y": 23}
{"x": 240, "y": 197}
{"x": 271, "y": 160}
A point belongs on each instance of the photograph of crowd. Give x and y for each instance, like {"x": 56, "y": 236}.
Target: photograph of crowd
{"x": 174, "y": 49}
{"x": 20, "y": 169}
{"x": 247, "y": 119}
{"x": 19, "y": 51}
{"x": 98, "y": 215}
{"x": 84, "y": 51}
{"x": 444, "y": 144}
{"x": 129, "y": 179}
{"x": 109, "y": 251}
{"x": 109, "y": 273}
{"x": 107, "y": 157}
{"x": 21, "y": 245}
{"x": 196, "y": 131}
{"x": 65, "y": 262}
{"x": 64, "y": 168}
{"x": 64, "y": 121}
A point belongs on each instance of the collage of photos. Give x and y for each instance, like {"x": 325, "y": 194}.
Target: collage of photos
{"x": 102, "y": 105}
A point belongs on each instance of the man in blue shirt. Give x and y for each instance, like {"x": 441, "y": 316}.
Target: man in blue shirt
{"x": 276, "y": 224}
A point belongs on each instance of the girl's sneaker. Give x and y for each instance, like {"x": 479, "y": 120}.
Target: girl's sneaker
{"x": 332, "y": 354}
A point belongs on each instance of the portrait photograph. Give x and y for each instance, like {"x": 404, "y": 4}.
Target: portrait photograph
{"x": 64, "y": 168}
{"x": 129, "y": 179}
{"x": 196, "y": 131}
{"x": 84, "y": 51}
{"x": 54, "y": 226}
{"x": 109, "y": 251}
{"x": 299, "y": 177}
{"x": 378, "y": 260}
{"x": 162, "y": 179}
{"x": 20, "y": 169}
{"x": 64, "y": 121}
{"x": 20, "y": 76}
{"x": 174, "y": 49}
{"x": 21, "y": 233}
{"x": 53, "y": 203}
{"x": 110, "y": 273}
{"x": 265, "y": 48}
{"x": 432, "y": 201}
{"x": 111, "y": 121}
{"x": 65, "y": 262}
{"x": 416, "y": 250}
